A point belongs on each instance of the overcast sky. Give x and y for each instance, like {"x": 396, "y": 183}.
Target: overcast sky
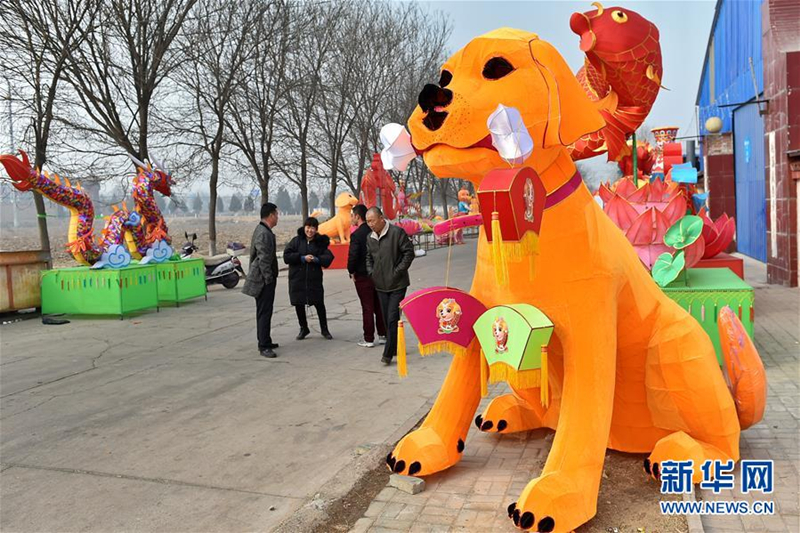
{"x": 683, "y": 25}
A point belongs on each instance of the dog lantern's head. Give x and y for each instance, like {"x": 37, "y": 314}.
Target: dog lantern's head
{"x": 509, "y": 67}
{"x": 346, "y": 200}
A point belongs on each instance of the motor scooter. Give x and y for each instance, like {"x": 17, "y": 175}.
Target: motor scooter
{"x": 224, "y": 269}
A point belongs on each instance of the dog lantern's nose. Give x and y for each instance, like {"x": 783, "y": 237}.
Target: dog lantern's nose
{"x": 433, "y": 99}
{"x": 433, "y": 96}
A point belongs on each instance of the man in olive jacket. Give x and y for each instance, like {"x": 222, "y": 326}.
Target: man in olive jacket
{"x": 389, "y": 255}
{"x": 263, "y": 277}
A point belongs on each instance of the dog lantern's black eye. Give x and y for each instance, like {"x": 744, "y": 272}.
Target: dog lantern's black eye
{"x": 496, "y": 68}
{"x": 445, "y": 78}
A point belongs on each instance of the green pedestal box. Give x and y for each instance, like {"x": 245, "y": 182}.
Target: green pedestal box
{"x": 179, "y": 281}
{"x": 704, "y": 291}
{"x": 105, "y": 291}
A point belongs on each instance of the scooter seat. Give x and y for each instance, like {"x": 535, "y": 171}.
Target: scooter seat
{"x": 215, "y": 260}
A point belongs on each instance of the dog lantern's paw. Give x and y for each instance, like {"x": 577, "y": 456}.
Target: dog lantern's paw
{"x": 508, "y": 414}
{"x": 551, "y": 503}
{"x": 509, "y": 135}
{"x": 397, "y": 150}
{"x": 423, "y": 452}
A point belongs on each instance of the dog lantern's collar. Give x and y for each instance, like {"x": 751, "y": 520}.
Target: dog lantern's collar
{"x": 563, "y": 192}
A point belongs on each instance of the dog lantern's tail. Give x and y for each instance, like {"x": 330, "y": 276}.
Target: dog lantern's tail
{"x": 747, "y": 380}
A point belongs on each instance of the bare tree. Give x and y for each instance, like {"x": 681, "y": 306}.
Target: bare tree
{"x": 216, "y": 45}
{"x": 254, "y": 108}
{"x": 36, "y": 41}
{"x": 309, "y": 59}
{"x": 117, "y": 73}
{"x": 408, "y": 53}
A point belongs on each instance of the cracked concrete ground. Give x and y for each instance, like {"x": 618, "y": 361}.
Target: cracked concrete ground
{"x": 171, "y": 421}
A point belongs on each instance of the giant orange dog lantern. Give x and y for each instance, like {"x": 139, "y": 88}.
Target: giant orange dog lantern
{"x": 627, "y": 368}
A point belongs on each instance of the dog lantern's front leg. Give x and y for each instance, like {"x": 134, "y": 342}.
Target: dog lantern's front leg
{"x": 565, "y": 495}
{"x": 438, "y": 444}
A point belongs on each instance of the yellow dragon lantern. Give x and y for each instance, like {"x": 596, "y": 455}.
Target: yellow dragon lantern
{"x": 627, "y": 368}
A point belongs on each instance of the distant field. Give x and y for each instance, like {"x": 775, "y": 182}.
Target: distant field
{"x": 229, "y": 228}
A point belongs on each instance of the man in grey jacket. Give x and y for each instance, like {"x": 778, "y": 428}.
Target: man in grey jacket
{"x": 389, "y": 255}
{"x": 263, "y": 277}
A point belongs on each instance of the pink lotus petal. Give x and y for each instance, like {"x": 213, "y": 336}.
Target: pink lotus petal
{"x": 675, "y": 209}
{"x": 694, "y": 252}
{"x": 721, "y": 241}
{"x": 648, "y": 253}
{"x": 620, "y": 212}
{"x": 605, "y": 193}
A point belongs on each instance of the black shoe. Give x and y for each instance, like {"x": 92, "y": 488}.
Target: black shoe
{"x": 269, "y": 354}
{"x": 274, "y": 345}
{"x": 386, "y": 361}
{"x": 304, "y": 332}
{"x": 327, "y": 335}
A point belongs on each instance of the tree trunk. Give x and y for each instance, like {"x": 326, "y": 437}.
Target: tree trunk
{"x": 264, "y": 186}
{"x": 443, "y": 190}
{"x": 430, "y": 197}
{"x": 41, "y": 212}
{"x": 332, "y": 194}
{"x": 303, "y": 179}
{"x": 212, "y": 205}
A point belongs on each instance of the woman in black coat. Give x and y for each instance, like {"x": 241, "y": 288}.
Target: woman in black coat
{"x": 307, "y": 254}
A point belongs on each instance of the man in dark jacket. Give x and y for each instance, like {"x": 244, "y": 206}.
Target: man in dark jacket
{"x": 371, "y": 315}
{"x": 389, "y": 255}
{"x": 263, "y": 277}
{"x": 307, "y": 254}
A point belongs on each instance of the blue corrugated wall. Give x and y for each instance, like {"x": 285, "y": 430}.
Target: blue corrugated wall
{"x": 736, "y": 37}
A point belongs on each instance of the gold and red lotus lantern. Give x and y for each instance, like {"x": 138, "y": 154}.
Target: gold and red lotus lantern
{"x": 515, "y": 197}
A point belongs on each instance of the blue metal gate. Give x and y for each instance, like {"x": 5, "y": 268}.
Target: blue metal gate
{"x": 751, "y": 204}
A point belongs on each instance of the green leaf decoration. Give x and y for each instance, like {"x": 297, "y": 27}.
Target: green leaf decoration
{"x": 667, "y": 268}
{"x": 684, "y": 232}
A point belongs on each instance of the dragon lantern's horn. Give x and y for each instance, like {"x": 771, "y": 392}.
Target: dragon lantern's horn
{"x": 124, "y": 206}
{"x": 137, "y": 162}
{"x": 599, "y": 7}
{"x": 25, "y": 160}
{"x": 160, "y": 166}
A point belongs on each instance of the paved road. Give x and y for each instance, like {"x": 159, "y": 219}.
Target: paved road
{"x": 171, "y": 421}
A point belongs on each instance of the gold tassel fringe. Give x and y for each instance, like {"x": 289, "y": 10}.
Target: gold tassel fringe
{"x": 545, "y": 392}
{"x": 520, "y": 379}
{"x": 402, "y": 368}
{"x": 526, "y": 247}
{"x": 498, "y": 251}
{"x": 484, "y": 376}
{"x": 442, "y": 347}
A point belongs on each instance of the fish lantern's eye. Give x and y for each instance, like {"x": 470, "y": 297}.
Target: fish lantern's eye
{"x": 496, "y": 68}
{"x": 620, "y": 17}
{"x": 445, "y": 78}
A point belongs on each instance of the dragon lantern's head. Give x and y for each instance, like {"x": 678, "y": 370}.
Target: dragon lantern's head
{"x": 157, "y": 174}
{"x": 611, "y": 32}
{"x": 20, "y": 171}
{"x": 506, "y": 66}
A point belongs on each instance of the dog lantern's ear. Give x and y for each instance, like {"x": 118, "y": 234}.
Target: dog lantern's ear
{"x": 571, "y": 114}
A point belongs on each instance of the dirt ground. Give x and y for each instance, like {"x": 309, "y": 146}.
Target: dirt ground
{"x": 229, "y": 228}
{"x": 623, "y": 506}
